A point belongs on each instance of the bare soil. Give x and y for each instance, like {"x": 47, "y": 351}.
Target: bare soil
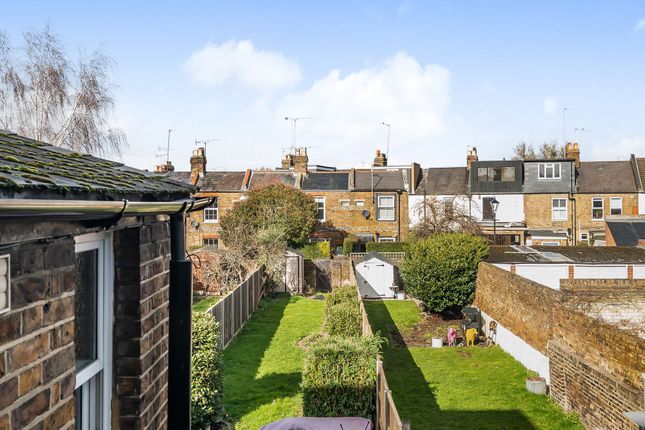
{"x": 421, "y": 333}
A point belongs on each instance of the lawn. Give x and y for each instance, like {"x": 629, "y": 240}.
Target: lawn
{"x": 263, "y": 364}
{"x": 205, "y": 304}
{"x": 459, "y": 388}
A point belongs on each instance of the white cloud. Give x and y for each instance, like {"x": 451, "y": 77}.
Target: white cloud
{"x": 347, "y": 110}
{"x": 640, "y": 24}
{"x": 240, "y": 62}
{"x": 550, "y": 105}
{"x": 619, "y": 149}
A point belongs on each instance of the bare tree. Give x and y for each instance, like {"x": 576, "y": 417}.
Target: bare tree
{"x": 552, "y": 150}
{"x": 442, "y": 216}
{"x": 45, "y": 97}
{"x": 524, "y": 151}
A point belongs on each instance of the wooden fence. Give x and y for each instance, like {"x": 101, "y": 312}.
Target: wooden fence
{"x": 387, "y": 416}
{"x": 237, "y": 306}
{"x": 394, "y": 256}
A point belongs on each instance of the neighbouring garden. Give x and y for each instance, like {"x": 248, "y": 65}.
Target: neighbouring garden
{"x": 456, "y": 388}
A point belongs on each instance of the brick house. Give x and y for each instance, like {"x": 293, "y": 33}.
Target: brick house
{"x": 370, "y": 203}
{"x": 93, "y": 278}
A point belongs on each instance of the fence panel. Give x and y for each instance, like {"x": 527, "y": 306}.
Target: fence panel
{"x": 238, "y": 305}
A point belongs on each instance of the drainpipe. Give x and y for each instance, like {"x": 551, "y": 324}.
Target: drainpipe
{"x": 398, "y": 218}
{"x": 180, "y": 310}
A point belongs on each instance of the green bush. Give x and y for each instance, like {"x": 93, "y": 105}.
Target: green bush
{"x": 339, "y": 377}
{"x": 207, "y": 404}
{"x": 350, "y": 244}
{"x": 315, "y": 251}
{"x": 343, "y": 319}
{"x": 342, "y": 294}
{"x": 385, "y": 246}
{"x": 441, "y": 271}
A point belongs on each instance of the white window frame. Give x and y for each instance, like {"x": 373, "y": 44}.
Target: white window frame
{"x": 550, "y": 243}
{"x": 345, "y": 203}
{"x": 386, "y": 239}
{"x": 359, "y": 203}
{"x": 551, "y": 166}
{"x": 318, "y": 200}
{"x": 602, "y": 208}
{"x": 559, "y": 210}
{"x": 380, "y": 206}
{"x": 620, "y": 205}
{"x": 584, "y": 237}
{"x": 86, "y": 378}
{"x": 213, "y": 210}
{"x": 216, "y": 246}
{"x": 5, "y": 260}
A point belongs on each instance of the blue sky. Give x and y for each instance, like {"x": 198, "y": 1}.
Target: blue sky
{"x": 445, "y": 74}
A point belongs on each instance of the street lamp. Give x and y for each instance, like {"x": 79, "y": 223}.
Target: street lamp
{"x": 494, "y": 204}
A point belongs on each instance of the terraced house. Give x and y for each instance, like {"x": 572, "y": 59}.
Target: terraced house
{"x": 370, "y": 203}
{"x": 540, "y": 202}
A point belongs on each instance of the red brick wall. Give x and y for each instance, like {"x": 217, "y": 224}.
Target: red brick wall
{"x": 36, "y": 338}
{"x": 595, "y": 368}
{"x": 141, "y": 326}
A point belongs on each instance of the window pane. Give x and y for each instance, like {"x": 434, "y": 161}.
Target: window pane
{"x": 556, "y": 170}
{"x": 86, "y": 307}
{"x": 495, "y": 174}
{"x": 508, "y": 174}
{"x": 541, "y": 170}
{"x": 487, "y": 209}
{"x": 549, "y": 171}
{"x": 482, "y": 174}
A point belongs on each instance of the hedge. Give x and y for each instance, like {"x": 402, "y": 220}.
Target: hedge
{"x": 386, "y": 246}
{"x": 207, "y": 404}
{"x": 342, "y": 294}
{"x": 339, "y": 377}
{"x": 350, "y": 244}
{"x": 315, "y": 251}
{"x": 441, "y": 271}
{"x": 344, "y": 319}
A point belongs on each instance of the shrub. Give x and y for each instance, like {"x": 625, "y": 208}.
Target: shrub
{"x": 339, "y": 377}
{"x": 385, "y": 246}
{"x": 441, "y": 271}
{"x": 350, "y": 244}
{"x": 207, "y": 405}
{"x": 344, "y": 319}
{"x": 315, "y": 251}
{"x": 342, "y": 294}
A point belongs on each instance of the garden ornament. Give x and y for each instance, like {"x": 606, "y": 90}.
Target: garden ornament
{"x": 452, "y": 336}
{"x": 471, "y": 333}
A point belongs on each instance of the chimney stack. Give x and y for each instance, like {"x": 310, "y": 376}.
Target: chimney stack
{"x": 165, "y": 167}
{"x": 300, "y": 161}
{"x": 471, "y": 157}
{"x": 197, "y": 164}
{"x": 572, "y": 151}
{"x": 380, "y": 160}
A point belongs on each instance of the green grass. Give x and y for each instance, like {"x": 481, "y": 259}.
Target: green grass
{"x": 459, "y": 388}
{"x": 263, "y": 365}
{"x": 206, "y": 304}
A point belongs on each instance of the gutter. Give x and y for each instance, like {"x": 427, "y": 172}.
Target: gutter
{"x": 181, "y": 278}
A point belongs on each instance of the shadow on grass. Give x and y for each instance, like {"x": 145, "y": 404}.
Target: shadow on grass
{"x": 243, "y": 391}
{"x": 414, "y": 397}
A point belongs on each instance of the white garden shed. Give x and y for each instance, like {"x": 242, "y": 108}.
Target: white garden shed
{"x": 376, "y": 275}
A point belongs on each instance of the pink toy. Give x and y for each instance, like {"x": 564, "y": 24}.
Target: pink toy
{"x": 452, "y": 336}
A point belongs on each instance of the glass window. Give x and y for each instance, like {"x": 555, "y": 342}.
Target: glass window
{"x": 508, "y": 174}
{"x": 616, "y": 206}
{"x": 448, "y": 207}
{"x": 495, "y": 174}
{"x": 385, "y": 208}
{"x": 597, "y": 209}
{"x": 86, "y": 307}
{"x": 320, "y": 205}
{"x": 211, "y": 213}
{"x": 559, "y": 209}
{"x": 344, "y": 203}
{"x": 210, "y": 242}
{"x": 482, "y": 174}
{"x": 360, "y": 203}
{"x": 487, "y": 209}
{"x": 549, "y": 171}
{"x": 386, "y": 239}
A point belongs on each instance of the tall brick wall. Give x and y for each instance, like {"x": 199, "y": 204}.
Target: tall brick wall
{"x": 141, "y": 293}
{"x": 37, "y": 371}
{"x": 595, "y": 368}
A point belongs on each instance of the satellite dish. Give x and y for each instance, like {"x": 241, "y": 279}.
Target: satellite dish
{"x": 366, "y": 213}
{"x": 195, "y": 224}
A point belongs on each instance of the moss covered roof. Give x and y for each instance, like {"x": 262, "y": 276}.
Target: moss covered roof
{"x": 31, "y": 168}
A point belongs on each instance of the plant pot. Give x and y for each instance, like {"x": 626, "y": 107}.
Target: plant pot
{"x": 400, "y": 295}
{"x": 536, "y": 385}
{"x": 437, "y": 342}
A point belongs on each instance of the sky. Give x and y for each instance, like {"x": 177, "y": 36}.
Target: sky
{"x": 446, "y": 75}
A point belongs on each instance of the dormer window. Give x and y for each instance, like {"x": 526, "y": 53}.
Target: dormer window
{"x": 549, "y": 171}
{"x": 496, "y": 174}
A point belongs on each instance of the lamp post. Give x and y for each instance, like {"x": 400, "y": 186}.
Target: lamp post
{"x": 494, "y": 204}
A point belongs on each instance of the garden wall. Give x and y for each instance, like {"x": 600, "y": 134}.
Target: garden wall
{"x": 594, "y": 367}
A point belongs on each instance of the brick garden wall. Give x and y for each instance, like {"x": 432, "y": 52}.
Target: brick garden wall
{"x": 595, "y": 368}
{"x": 141, "y": 293}
{"x": 37, "y": 371}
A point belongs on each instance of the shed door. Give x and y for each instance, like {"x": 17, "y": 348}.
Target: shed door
{"x": 375, "y": 278}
